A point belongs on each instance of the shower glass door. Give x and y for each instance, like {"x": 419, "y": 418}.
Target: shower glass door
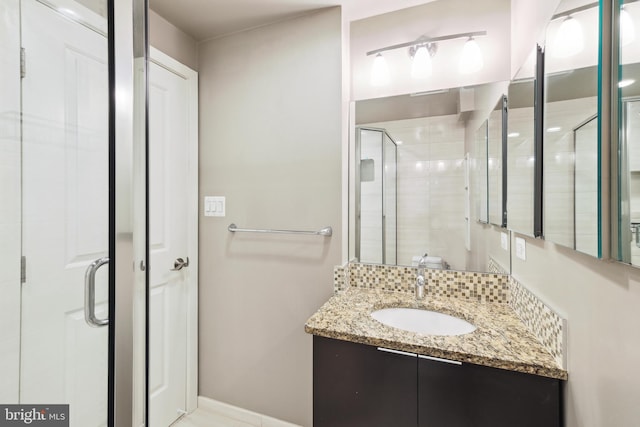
{"x": 69, "y": 224}
{"x": 376, "y": 224}
{"x": 65, "y": 207}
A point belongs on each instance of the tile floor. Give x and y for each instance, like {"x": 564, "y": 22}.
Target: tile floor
{"x": 203, "y": 418}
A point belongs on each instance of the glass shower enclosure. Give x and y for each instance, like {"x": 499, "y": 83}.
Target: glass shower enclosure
{"x": 72, "y": 216}
{"x": 376, "y": 178}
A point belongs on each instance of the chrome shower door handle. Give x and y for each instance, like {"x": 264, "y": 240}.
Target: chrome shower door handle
{"x": 90, "y": 294}
{"x": 179, "y": 264}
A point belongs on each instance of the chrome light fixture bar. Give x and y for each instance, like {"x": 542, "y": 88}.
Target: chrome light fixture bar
{"x": 425, "y": 40}
{"x": 576, "y": 10}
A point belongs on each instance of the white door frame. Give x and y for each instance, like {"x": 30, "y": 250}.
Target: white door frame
{"x": 191, "y": 77}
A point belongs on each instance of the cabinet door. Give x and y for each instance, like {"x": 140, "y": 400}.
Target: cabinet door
{"x": 444, "y": 393}
{"x": 356, "y": 385}
{"x": 451, "y": 395}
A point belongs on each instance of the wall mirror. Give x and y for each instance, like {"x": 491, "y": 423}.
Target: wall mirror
{"x": 626, "y": 231}
{"x": 496, "y": 164}
{"x": 571, "y": 138}
{"x": 521, "y": 154}
{"x": 420, "y": 163}
{"x": 480, "y": 166}
{"x": 424, "y": 89}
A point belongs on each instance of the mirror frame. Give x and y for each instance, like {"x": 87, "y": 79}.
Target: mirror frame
{"x": 501, "y": 105}
{"x": 538, "y": 131}
{"x": 505, "y": 116}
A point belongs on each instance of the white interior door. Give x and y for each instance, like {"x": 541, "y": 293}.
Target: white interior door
{"x": 168, "y": 239}
{"x": 65, "y": 211}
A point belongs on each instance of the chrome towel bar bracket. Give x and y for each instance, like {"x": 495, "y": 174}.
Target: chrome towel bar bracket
{"x": 326, "y": 231}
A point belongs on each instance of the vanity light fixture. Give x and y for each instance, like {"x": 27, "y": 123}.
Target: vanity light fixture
{"x": 422, "y": 50}
{"x": 513, "y": 135}
{"x": 627, "y": 29}
{"x": 569, "y": 39}
{"x": 422, "y": 66}
{"x": 380, "y": 71}
{"x": 471, "y": 59}
{"x": 554, "y": 129}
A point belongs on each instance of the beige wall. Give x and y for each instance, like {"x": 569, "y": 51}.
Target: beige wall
{"x": 528, "y": 22}
{"x": 166, "y": 37}
{"x": 271, "y": 142}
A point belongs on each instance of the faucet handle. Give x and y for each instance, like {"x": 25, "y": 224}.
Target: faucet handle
{"x": 422, "y": 261}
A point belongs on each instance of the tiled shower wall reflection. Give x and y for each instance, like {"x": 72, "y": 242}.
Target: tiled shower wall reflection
{"x": 560, "y": 173}
{"x": 431, "y": 194}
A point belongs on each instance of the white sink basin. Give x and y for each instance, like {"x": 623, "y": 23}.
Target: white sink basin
{"x": 423, "y": 321}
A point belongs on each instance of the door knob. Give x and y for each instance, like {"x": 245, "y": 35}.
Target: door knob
{"x": 179, "y": 264}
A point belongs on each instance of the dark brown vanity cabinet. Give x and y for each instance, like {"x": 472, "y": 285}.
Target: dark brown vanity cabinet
{"x": 359, "y": 385}
{"x": 466, "y": 395}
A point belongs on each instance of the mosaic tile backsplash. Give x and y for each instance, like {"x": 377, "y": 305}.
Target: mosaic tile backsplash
{"x": 339, "y": 278}
{"x": 495, "y": 287}
{"x": 494, "y": 266}
{"x": 482, "y": 287}
{"x": 541, "y": 320}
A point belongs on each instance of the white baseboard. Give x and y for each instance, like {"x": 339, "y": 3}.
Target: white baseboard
{"x": 240, "y": 414}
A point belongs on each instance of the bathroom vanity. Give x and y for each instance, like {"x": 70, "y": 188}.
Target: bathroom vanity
{"x": 368, "y": 374}
{"x": 362, "y": 385}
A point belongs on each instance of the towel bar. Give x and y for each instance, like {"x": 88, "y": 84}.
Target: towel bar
{"x": 326, "y": 231}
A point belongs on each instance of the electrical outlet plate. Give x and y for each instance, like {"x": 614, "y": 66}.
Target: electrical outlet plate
{"x": 504, "y": 241}
{"x": 521, "y": 248}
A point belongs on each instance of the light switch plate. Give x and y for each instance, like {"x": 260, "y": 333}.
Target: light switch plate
{"x": 504, "y": 241}
{"x": 214, "y": 206}
{"x": 521, "y": 248}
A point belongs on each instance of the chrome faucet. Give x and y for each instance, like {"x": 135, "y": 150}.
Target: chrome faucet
{"x": 420, "y": 280}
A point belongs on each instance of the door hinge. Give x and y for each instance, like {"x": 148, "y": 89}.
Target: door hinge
{"x": 23, "y": 269}
{"x": 23, "y": 65}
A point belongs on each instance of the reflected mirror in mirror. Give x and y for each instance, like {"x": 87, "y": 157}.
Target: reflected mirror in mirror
{"x": 480, "y": 184}
{"x": 496, "y": 150}
{"x": 420, "y": 165}
{"x": 521, "y": 149}
{"x": 627, "y": 238}
{"x": 571, "y": 143}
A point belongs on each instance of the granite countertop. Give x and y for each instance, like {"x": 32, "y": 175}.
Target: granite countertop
{"x": 501, "y": 340}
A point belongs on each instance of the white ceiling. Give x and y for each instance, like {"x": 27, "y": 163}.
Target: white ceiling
{"x": 206, "y": 19}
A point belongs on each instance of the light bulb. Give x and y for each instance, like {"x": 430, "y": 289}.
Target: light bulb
{"x": 569, "y": 39}
{"x": 379, "y": 71}
{"x": 627, "y": 29}
{"x": 471, "y": 59}
{"x": 625, "y": 83}
{"x": 421, "y": 67}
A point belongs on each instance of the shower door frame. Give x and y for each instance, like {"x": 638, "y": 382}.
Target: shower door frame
{"x": 128, "y": 124}
{"x": 358, "y": 204}
{"x": 127, "y": 213}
